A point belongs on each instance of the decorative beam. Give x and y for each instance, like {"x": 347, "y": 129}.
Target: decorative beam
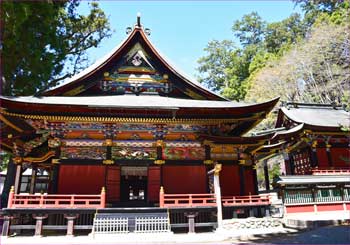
{"x": 195, "y": 121}
{"x": 39, "y": 159}
{"x": 7, "y": 122}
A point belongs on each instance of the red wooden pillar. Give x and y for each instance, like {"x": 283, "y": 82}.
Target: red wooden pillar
{"x": 242, "y": 191}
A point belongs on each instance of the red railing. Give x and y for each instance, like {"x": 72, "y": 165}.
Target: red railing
{"x": 186, "y": 200}
{"x": 318, "y": 171}
{"x": 251, "y": 200}
{"x": 56, "y": 201}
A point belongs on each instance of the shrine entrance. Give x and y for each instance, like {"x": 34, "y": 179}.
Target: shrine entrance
{"x": 133, "y": 186}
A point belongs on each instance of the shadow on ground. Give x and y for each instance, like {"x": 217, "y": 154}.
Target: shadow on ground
{"x": 322, "y": 235}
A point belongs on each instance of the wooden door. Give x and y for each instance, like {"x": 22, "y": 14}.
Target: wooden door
{"x": 153, "y": 185}
{"x": 113, "y": 184}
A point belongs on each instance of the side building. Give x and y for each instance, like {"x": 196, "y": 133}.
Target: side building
{"x": 315, "y": 142}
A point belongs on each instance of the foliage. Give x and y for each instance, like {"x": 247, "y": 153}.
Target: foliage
{"x": 260, "y": 42}
{"x": 283, "y": 33}
{"x": 250, "y": 30}
{"x": 274, "y": 170}
{"x": 39, "y": 38}
{"x": 315, "y": 70}
{"x": 297, "y": 59}
{"x": 215, "y": 65}
{"x": 5, "y": 158}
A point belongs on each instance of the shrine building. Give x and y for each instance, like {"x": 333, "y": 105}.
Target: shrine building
{"x": 132, "y": 123}
{"x": 130, "y": 144}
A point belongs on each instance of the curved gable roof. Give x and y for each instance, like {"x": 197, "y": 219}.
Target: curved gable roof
{"x": 315, "y": 115}
{"x": 83, "y": 80}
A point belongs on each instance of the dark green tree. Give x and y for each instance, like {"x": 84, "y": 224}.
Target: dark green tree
{"x": 215, "y": 65}
{"x": 283, "y": 33}
{"x": 250, "y": 29}
{"x": 40, "y": 38}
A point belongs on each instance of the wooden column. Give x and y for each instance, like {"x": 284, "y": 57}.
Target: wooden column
{"x": 266, "y": 175}
{"x": 241, "y": 180}
{"x": 33, "y": 180}
{"x": 108, "y": 144}
{"x": 329, "y": 156}
{"x": 286, "y": 162}
{"x": 255, "y": 179}
{"x": 313, "y": 154}
{"x": 159, "y": 145}
{"x": 9, "y": 181}
{"x": 291, "y": 164}
{"x": 217, "y": 190}
{"x": 54, "y": 178}
{"x": 18, "y": 178}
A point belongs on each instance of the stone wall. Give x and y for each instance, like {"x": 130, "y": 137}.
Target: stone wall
{"x": 252, "y": 223}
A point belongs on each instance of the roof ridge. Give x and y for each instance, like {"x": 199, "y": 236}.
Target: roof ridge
{"x": 293, "y": 104}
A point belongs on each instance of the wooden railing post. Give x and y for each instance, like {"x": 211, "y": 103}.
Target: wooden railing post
{"x": 11, "y": 196}
{"x": 72, "y": 201}
{"x": 103, "y": 198}
{"x": 161, "y": 197}
{"x": 41, "y": 202}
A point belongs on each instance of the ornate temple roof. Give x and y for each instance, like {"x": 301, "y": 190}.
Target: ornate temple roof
{"x": 133, "y": 64}
{"x": 300, "y": 125}
{"x": 314, "y": 115}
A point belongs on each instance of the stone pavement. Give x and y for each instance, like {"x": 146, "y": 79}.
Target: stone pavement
{"x": 217, "y": 237}
{"x": 321, "y": 235}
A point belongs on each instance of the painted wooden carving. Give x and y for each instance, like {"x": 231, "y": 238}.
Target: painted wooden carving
{"x": 96, "y": 153}
{"x": 140, "y": 153}
{"x": 183, "y": 153}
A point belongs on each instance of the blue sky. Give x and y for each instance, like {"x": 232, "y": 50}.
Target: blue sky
{"x": 181, "y": 29}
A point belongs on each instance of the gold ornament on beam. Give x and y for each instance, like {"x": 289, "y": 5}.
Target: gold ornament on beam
{"x": 208, "y": 162}
{"x": 108, "y": 142}
{"x": 160, "y": 143}
{"x": 55, "y": 161}
{"x": 159, "y": 162}
{"x": 241, "y": 162}
{"x": 108, "y": 162}
{"x": 18, "y": 160}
